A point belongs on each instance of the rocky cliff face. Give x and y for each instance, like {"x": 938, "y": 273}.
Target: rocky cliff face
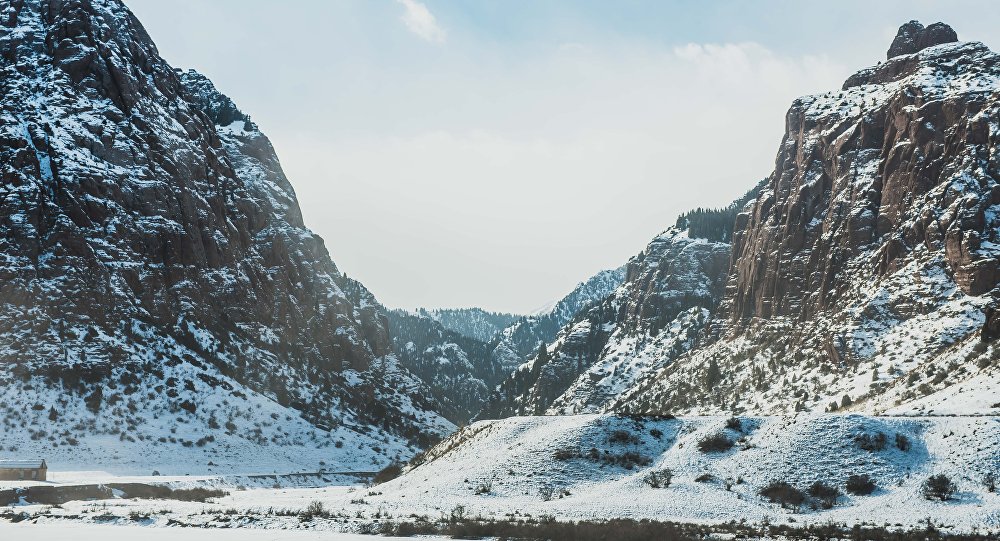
{"x": 863, "y": 266}
{"x": 900, "y": 160}
{"x": 655, "y": 315}
{"x": 913, "y": 37}
{"x": 147, "y": 225}
{"x": 858, "y": 274}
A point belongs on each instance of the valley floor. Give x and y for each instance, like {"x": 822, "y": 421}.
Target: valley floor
{"x": 597, "y": 467}
{"x": 93, "y": 532}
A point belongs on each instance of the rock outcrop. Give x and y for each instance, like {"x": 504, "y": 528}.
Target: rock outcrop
{"x": 912, "y": 37}
{"x": 871, "y": 249}
{"x": 900, "y": 159}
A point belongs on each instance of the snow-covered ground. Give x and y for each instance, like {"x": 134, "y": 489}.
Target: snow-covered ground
{"x": 89, "y": 532}
{"x": 800, "y": 450}
{"x": 593, "y": 467}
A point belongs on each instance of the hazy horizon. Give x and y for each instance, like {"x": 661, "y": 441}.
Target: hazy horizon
{"x": 455, "y": 154}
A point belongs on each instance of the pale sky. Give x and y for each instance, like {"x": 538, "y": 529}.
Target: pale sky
{"x": 496, "y": 153}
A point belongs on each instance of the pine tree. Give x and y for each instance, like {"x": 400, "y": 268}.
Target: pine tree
{"x": 541, "y": 359}
{"x": 712, "y": 374}
{"x": 543, "y": 355}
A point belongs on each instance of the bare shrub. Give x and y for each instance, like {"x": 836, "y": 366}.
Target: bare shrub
{"x": 716, "y": 443}
{"x": 659, "y": 478}
{"x": 826, "y": 495}
{"x": 783, "y": 493}
{"x": 388, "y": 473}
{"x": 938, "y": 487}
{"x": 902, "y": 442}
{"x": 871, "y": 442}
{"x": 860, "y": 485}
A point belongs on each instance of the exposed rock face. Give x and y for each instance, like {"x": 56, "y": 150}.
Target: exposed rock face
{"x": 868, "y": 255}
{"x": 147, "y": 222}
{"x": 655, "y": 315}
{"x": 912, "y": 37}
{"x": 901, "y": 159}
{"x": 991, "y": 325}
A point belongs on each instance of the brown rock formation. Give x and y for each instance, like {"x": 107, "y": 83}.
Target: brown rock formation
{"x": 903, "y": 157}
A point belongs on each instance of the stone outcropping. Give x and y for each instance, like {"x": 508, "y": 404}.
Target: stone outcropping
{"x": 913, "y": 37}
{"x": 871, "y": 249}
{"x": 902, "y": 158}
{"x": 861, "y": 270}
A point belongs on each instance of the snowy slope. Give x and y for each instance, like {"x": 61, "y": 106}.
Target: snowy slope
{"x": 800, "y": 450}
{"x": 593, "y": 467}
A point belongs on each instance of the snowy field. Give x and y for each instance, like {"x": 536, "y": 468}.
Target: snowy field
{"x": 593, "y": 467}
{"x": 89, "y": 532}
{"x": 706, "y": 487}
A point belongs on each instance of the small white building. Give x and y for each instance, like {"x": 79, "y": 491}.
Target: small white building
{"x": 33, "y": 469}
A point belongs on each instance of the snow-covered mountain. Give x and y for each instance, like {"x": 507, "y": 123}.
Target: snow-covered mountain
{"x": 460, "y": 371}
{"x": 475, "y": 323}
{"x": 859, "y": 272}
{"x": 159, "y": 287}
{"x": 520, "y": 340}
{"x": 667, "y": 297}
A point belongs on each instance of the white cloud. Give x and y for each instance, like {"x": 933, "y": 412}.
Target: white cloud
{"x": 421, "y": 21}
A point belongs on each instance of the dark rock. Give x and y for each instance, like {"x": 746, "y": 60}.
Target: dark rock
{"x": 814, "y": 216}
{"x": 912, "y": 37}
{"x": 936, "y": 34}
{"x": 991, "y": 324}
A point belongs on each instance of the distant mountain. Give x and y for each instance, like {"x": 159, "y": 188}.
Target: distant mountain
{"x": 159, "y": 286}
{"x": 471, "y": 322}
{"x": 657, "y": 313}
{"x": 520, "y": 339}
{"x": 459, "y": 370}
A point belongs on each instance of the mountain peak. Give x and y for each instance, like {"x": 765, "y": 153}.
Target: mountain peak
{"x": 219, "y": 108}
{"x": 914, "y": 37}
